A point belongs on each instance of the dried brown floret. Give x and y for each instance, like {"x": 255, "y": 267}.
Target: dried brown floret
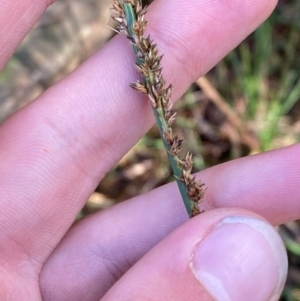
{"x": 139, "y": 87}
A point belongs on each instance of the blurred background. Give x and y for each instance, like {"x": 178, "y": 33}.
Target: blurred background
{"x": 247, "y": 104}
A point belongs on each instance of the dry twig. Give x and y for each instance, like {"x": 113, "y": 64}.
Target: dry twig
{"x": 211, "y": 92}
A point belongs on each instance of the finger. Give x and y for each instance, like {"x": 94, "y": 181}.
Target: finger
{"x": 266, "y": 183}
{"x": 16, "y": 19}
{"x": 221, "y": 255}
{"x": 98, "y": 250}
{"x": 62, "y": 144}
{"x": 124, "y": 233}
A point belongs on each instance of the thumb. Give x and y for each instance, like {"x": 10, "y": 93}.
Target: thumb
{"x": 224, "y": 255}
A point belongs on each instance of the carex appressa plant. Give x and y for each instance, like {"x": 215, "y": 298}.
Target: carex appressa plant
{"x": 130, "y": 16}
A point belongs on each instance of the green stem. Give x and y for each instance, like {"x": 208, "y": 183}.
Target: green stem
{"x": 131, "y": 18}
{"x": 161, "y": 123}
{"x": 175, "y": 168}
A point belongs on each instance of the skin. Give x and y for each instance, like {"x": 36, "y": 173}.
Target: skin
{"x": 55, "y": 151}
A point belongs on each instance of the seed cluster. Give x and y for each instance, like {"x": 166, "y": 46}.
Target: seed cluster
{"x": 148, "y": 64}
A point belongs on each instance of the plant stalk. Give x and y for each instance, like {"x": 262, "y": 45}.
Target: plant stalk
{"x": 130, "y": 16}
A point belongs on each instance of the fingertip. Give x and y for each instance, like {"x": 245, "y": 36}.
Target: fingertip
{"x": 221, "y": 255}
{"x": 16, "y": 19}
{"x": 242, "y": 258}
{"x": 211, "y": 30}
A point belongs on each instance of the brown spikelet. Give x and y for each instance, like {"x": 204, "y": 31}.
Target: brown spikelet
{"x": 139, "y": 87}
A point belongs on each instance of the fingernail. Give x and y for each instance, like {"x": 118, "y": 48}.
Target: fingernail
{"x": 242, "y": 258}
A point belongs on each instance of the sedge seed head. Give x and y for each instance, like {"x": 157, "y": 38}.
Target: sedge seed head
{"x": 149, "y": 66}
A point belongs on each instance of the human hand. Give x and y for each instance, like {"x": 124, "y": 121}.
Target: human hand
{"x": 59, "y": 147}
